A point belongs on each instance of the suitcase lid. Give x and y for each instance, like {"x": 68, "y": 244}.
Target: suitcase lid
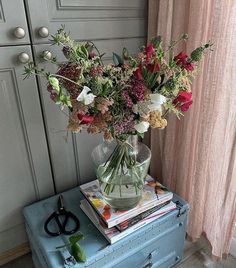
{"x": 94, "y": 244}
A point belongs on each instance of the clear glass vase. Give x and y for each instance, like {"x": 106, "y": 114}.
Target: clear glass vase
{"x": 121, "y": 167}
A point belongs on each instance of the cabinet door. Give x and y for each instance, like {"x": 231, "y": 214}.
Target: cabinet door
{"x": 12, "y": 15}
{"x": 89, "y": 20}
{"x": 24, "y": 162}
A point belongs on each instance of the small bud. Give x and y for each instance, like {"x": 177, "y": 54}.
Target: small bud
{"x": 197, "y": 54}
{"x": 185, "y": 36}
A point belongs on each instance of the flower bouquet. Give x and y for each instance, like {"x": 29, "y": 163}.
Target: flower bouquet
{"x": 121, "y": 100}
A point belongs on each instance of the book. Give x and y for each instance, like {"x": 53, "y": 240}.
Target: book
{"x": 153, "y": 194}
{"x": 132, "y": 221}
{"x": 113, "y": 234}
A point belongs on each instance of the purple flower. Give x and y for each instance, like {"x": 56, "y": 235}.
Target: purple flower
{"x": 124, "y": 125}
{"x": 127, "y": 98}
{"x": 137, "y": 90}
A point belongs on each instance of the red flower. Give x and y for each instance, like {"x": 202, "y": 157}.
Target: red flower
{"x": 138, "y": 72}
{"x": 189, "y": 66}
{"x": 153, "y": 67}
{"x": 181, "y": 60}
{"x": 184, "y": 107}
{"x": 149, "y": 50}
{"x": 85, "y": 119}
{"x": 183, "y": 101}
{"x": 181, "y": 57}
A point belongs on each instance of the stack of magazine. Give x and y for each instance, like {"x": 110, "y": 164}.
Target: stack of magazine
{"x": 114, "y": 224}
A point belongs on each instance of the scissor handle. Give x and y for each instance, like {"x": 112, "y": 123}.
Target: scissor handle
{"x": 62, "y": 225}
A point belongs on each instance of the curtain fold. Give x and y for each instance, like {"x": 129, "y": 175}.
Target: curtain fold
{"x": 195, "y": 157}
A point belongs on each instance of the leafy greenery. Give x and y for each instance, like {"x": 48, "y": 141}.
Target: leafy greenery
{"x": 76, "y": 250}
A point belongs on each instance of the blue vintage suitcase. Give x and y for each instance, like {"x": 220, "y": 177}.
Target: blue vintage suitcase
{"x": 158, "y": 244}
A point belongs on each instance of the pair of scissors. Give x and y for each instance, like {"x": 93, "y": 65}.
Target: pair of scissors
{"x": 56, "y": 223}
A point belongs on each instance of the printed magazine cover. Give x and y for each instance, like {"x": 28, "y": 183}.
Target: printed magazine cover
{"x": 154, "y": 194}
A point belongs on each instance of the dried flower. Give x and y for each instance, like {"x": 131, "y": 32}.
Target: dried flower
{"x": 102, "y": 104}
{"x": 156, "y": 121}
{"x": 73, "y": 126}
{"x": 124, "y": 125}
{"x": 127, "y": 98}
{"x": 137, "y": 90}
{"x": 107, "y": 135}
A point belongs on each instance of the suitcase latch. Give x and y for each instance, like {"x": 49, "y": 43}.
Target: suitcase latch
{"x": 149, "y": 262}
{"x": 179, "y": 206}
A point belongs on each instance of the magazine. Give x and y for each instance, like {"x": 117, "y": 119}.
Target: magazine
{"x": 154, "y": 193}
{"x": 130, "y": 222}
{"x": 113, "y": 234}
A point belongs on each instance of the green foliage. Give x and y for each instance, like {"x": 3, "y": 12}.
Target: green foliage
{"x": 76, "y": 238}
{"x": 78, "y": 253}
{"x": 76, "y": 250}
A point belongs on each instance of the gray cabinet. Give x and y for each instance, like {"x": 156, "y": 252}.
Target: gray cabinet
{"x": 12, "y": 15}
{"x": 38, "y": 156}
{"x": 25, "y": 172}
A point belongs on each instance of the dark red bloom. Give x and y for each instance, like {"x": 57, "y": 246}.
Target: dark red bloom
{"x": 85, "y": 119}
{"x": 183, "y": 101}
{"x": 149, "y": 50}
{"x": 189, "y": 66}
{"x": 138, "y": 72}
{"x": 182, "y": 60}
{"x": 181, "y": 57}
{"x": 184, "y": 107}
{"x": 153, "y": 67}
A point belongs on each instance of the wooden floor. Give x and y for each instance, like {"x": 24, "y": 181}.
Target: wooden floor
{"x": 196, "y": 255}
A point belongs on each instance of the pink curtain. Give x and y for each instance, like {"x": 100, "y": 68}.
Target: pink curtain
{"x": 196, "y": 157}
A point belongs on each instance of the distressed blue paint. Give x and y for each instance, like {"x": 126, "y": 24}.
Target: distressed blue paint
{"x": 159, "y": 243}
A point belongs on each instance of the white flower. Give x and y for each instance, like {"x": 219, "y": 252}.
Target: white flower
{"x": 85, "y": 96}
{"x": 156, "y": 102}
{"x": 142, "y": 127}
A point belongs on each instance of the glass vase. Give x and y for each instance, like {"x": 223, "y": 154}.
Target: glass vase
{"x": 121, "y": 167}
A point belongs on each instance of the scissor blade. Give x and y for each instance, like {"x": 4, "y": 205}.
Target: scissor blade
{"x": 61, "y": 203}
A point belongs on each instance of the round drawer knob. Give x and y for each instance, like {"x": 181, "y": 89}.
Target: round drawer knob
{"x": 19, "y": 32}
{"x": 47, "y": 55}
{"x": 23, "y": 57}
{"x": 43, "y": 32}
